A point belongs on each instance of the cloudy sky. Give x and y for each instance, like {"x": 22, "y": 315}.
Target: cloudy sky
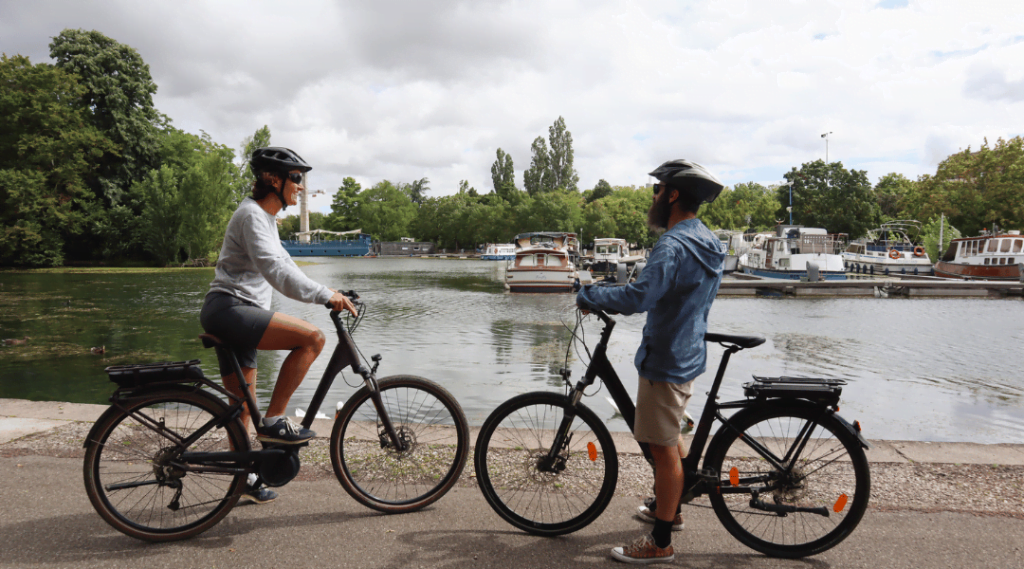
{"x": 407, "y": 89}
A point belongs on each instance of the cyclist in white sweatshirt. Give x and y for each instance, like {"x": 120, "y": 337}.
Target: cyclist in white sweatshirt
{"x": 253, "y": 263}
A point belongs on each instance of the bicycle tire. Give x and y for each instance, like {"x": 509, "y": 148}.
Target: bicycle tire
{"x": 832, "y": 475}
{"x": 123, "y": 450}
{"x": 511, "y": 444}
{"x": 376, "y": 475}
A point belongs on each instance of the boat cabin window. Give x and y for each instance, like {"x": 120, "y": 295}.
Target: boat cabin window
{"x": 1002, "y": 261}
{"x": 993, "y": 245}
{"x": 527, "y": 261}
{"x": 987, "y": 260}
{"x": 1005, "y": 247}
{"x": 1010, "y": 261}
{"x": 540, "y": 260}
{"x": 553, "y": 261}
{"x": 1017, "y": 243}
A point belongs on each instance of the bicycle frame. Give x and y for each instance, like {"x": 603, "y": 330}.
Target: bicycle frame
{"x": 696, "y": 482}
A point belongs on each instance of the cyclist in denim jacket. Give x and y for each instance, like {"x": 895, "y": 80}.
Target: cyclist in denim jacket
{"x": 676, "y": 290}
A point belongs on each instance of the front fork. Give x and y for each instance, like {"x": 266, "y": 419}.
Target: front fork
{"x": 390, "y": 434}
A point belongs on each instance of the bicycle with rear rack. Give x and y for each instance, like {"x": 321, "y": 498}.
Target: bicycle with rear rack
{"x": 785, "y": 474}
{"x": 170, "y": 457}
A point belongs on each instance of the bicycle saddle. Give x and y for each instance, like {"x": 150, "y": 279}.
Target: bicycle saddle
{"x": 741, "y": 341}
{"x": 209, "y": 341}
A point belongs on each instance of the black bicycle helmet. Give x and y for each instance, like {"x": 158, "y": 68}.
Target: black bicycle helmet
{"x": 690, "y": 178}
{"x": 277, "y": 159}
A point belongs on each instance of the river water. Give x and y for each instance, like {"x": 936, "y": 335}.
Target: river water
{"x": 918, "y": 369}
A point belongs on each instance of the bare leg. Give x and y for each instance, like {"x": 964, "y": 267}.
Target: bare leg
{"x": 231, "y": 384}
{"x": 668, "y": 480}
{"x": 305, "y": 342}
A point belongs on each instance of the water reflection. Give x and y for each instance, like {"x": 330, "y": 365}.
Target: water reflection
{"x": 927, "y": 369}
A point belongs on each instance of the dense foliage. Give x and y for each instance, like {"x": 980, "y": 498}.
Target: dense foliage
{"x": 91, "y": 172}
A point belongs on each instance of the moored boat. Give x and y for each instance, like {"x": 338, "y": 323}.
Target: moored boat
{"x": 499, "y": 252}
{"x": 544, "y": 262}
{"x": 609, "y": 252}
{"x": 987, "y": 257}
{"x": 890, "y": 249}
{"x": 786, "y": 253}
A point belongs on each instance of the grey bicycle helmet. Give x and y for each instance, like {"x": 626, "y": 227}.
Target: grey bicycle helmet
{"x": 690, "y": 178}
{"x": 278, "y": 159}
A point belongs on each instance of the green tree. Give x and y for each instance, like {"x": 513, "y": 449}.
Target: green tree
{"x": 386, "y": 212}
{"x": 975, "y": 190}
{"x": 119, "y": 91}
{"x": 246, "y": 177}
{"x": 416, "y": 190}
{"x": 891, "y": 192}
{"x": 748, "y": 206}
{"x": 600, "y": 190}
{"x": 930, "y": 237}
{"x": 48, "y": 152}
{"x": 344, "y": 214}
{"x": 628, "y": 206}
{"x": 598, "y": 221}
{"x": 503, "y": 175}
{"x": 537, "y": 179}
{"x": 831, "y": 197}
{"x": 563, "y": 175}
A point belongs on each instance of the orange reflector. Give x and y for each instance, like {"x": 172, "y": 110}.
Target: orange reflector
{"x": 840, "y": 504}
{"x": 856, "y": 425}
{"x": 734, "y": 476}
{"x": 592, "y": 452}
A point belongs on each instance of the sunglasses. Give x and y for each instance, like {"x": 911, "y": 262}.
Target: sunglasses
{"x": 657, "y": 188}
{"x": 296, "y": 177}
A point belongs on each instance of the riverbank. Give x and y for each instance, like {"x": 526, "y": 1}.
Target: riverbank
{"x": 906, "y": 475}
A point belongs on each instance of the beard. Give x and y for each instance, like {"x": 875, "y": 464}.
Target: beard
{"x": 659, "y": 212}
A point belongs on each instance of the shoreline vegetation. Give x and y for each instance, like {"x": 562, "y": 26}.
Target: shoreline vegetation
{"x": 131, "y": 188}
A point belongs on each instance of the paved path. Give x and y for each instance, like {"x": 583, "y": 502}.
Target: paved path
{"x": 47, "y": 521}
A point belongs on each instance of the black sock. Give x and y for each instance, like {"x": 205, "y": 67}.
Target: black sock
{"x": 662, "y": 533}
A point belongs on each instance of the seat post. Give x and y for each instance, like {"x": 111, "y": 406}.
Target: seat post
{"x": 250, "y": 399}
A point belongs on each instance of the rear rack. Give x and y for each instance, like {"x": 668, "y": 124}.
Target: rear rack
{"x": 137, "y": 375}
{"x": 819, "y": 390}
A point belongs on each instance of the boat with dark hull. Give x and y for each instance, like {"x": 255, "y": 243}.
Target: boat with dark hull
{"x": 994, "y": 257}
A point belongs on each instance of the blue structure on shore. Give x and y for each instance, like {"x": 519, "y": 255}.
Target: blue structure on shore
{"x": 357, "y": 246}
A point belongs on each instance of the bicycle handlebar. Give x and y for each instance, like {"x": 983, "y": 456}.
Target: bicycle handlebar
{"x": 351, "y": 294}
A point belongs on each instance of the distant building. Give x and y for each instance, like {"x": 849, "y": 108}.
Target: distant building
{"x": 403, "y": 248}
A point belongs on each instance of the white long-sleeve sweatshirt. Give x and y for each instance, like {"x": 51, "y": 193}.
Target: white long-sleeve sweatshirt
{"x": 253, "y": 262}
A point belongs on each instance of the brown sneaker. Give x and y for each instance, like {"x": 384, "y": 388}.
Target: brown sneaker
{"x": 644, "y": 551}
{"x": 645, "y": 514}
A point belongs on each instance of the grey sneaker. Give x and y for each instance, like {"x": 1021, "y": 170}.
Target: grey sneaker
{"x": 646, "y": 514}
{"x": 284, "y": 431}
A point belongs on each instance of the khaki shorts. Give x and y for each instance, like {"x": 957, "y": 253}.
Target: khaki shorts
{"x": 659, "y": 411}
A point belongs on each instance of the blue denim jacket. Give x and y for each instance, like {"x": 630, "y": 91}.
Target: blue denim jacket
{"x": 675, "y": 290}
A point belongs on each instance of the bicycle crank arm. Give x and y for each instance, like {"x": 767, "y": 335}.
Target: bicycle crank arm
{"x": 783, "y": 509}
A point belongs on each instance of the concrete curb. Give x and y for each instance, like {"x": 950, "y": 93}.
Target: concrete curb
{"x": 20, "y": 418}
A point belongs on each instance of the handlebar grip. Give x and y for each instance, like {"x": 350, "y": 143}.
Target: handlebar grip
{"x": 351, "y": 294}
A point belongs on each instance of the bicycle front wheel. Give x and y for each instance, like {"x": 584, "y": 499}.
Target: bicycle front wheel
{"x": 434, "y": 439}
{"x": 543, "y": 490}
{"x": 131, "y": 478}
{"x": 807, "y": 502}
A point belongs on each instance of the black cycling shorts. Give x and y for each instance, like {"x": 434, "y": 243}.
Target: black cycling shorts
{"x": 238, "y": 323}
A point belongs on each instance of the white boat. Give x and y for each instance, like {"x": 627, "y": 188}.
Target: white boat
{"x": 544, "y": 262}
{"x": 609, "y": 252}
{"x": 786, "y": 253}
{"x": 889, "y": 250}
{"x": 499, "y": 252}
{"x": 995, "y": 257}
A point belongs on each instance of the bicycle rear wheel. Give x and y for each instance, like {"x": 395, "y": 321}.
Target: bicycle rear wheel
{"x": 829, "y": 480}
{"x": 433, "y": 429}
{"x": 532, "y": 491}
{"x": 129, "y": 476}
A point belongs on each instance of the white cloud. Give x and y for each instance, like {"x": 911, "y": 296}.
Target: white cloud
{"x": 406, "y": 89}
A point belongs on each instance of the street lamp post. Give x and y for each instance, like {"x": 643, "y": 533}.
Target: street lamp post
{"x": 825, "y": 136}
{"x": 790, "y": 208}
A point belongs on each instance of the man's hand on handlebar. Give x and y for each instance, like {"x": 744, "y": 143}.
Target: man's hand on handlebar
{"x": 340, "y": 302}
